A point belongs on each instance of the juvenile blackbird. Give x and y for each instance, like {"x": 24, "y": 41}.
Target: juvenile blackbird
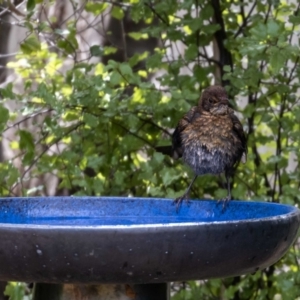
{"x": 210, "y": 139}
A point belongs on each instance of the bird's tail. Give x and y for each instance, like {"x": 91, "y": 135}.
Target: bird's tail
{"x": 168, "y": 150}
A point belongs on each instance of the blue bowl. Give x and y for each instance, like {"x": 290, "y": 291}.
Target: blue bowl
{"x": 139, "y": 240}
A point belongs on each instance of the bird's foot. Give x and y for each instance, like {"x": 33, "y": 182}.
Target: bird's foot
{"x": 225, "y": 202}
{"x": 179, "y": 200}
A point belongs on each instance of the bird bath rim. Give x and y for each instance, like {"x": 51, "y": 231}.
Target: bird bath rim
{"x": 290, "y": 212}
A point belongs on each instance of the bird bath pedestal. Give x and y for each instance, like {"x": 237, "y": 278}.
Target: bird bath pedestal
{"x": 86, "y": 244}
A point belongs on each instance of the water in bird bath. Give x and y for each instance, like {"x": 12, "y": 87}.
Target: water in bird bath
{"x": 100, "y": 221}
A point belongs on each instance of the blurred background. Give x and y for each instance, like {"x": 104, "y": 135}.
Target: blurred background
{"x": 89, "y": 89}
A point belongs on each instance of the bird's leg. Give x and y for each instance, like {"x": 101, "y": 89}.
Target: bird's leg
{"x": 228, "y": 197}
{"x": 178, "y": 200}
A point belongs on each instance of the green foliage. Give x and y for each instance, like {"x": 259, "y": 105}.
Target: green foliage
{"x": 17, "y": 291}
{"x": 96, "y": 126}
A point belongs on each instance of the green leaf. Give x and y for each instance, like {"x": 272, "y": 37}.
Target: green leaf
{"x": 28, "y": 157}
{"x": 212, "y": 28}
{"x": 30, "y": 5}
{"x": 66, "y": 45}
{"x": 191, "y": 52}
{"x": 26, "y": 140}
{"x": 13, "y": 175}
{"x": 137, "y": 58}
{"x": 138, "y": 35}
{"x": 206, "y": 12}
{"x": 96, "y": 50}
{"x": 7, "y": 92}
{"x": 115, "y": 78}
{"x": 125, "y": 69}
{"x": 295, "y": 20}
{"x": 117, "y": 12}
{"x": 46, "y": 94}
{"x": 154, "y": 60}
{"x": 169, "y": 176}
{"x": 4, "y": 116}
{"x": 31, "y": 44}
{"x": 259, "y": 31}
{"x": 194, "y": 24}
{"x": 95, "y": 8}
{"x": 15, "y": 290}
{"x": 227, "y": 68}
{"x": 273, "y": 28}
{"x": 277, "y": 59}
{"x": 91, "y": 120}
{"x": 109, "y": 50}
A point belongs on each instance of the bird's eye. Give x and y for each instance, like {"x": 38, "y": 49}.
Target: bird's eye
{"x": 210, "y": 100}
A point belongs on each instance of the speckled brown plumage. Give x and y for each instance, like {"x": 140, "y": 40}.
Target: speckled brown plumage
{"x": 210, "y": 138}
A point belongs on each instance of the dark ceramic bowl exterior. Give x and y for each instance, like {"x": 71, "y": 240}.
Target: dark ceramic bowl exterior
{"x": 139, "y": 240}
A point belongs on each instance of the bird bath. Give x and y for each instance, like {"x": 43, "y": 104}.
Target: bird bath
{"x": 141, "y": 242}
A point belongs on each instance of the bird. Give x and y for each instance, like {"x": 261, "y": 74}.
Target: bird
{"x": 210, "y": 139}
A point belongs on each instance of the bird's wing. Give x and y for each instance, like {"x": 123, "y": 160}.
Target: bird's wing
{"x": 238, "y": 129}
{"x": 182, "y": 124}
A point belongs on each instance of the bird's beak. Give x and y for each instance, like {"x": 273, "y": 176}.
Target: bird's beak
{"x": 221, "y": 108}
{"x": 224, "y": 101}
